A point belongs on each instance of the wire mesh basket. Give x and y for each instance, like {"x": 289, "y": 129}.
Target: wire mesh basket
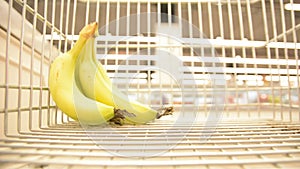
{"x": 230, "y": 68}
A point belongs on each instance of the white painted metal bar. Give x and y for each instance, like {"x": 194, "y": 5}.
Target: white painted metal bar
{"x": 52, "y": 116}
{"x": 60, "y": 40}
{"x": 42, "y": 63}
{"x": 97, "y": 11}
{"x": 32, "y": 65}
{"x": 242, "y": 36}
{"x": 223, "y": 52}
{"x": 200, "y": 20}
{"x": 159, "y": 23}
{"x": 149, "y": 62}
{"x": 169, "y": 14}
{"x": 20, "y": 67}
{"x": 285, "y": 50}
{"x": 240, "y": 70}
{"x": 266, "y": 32}
{"x": 295, "y": 50}
{"x": 166, "y": 155}
{"x": 291, "y": 30}
{"x": 138, "y": 50}
{"x": 128, "y": 27}
{"x": 153, "y": 163}
{"x": 218, "y": 42}
{"x": 191, "y": 27}
{"x": 7, "y": 68}
{"x": 269, "y": 56}
{"x": 230, "y": 18}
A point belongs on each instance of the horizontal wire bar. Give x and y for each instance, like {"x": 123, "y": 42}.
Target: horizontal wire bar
{"x": 137, "y": 146}
{"x": 76, "y": 162}
{"x": 164, "y": 155}
{"x": 203, "y": 59}
{"x": 168, "y": 135}
{"x": 186, "y": 134}
{"x": 28, "y": 109}
{"x": 160, "y": 138}
{"x": 218, "y": 131}
{"x": 190, "y": 144}
{"x": 24, "y": 87}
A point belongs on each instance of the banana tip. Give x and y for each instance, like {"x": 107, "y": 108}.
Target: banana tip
{"x": 89, "y": 30}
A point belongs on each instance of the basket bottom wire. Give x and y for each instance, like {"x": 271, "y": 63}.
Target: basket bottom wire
{"x": 228, "y": 144}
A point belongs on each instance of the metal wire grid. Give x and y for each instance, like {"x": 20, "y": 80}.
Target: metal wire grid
{"x": 243, "y": 146}
{"x": 35, "y": 134}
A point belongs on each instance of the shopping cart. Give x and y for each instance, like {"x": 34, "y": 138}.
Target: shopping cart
{"x": 230, "y": 68}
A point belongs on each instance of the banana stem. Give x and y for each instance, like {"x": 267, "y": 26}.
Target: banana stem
{"x": 164, "y": 111}
{"x": 120, "y": 115}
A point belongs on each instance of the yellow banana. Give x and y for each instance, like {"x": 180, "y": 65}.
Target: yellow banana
{"x": 65, "y": 90}
{"x": 97, "y": 85}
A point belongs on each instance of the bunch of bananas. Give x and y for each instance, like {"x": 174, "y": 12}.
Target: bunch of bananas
{"x": 80, "y": 87}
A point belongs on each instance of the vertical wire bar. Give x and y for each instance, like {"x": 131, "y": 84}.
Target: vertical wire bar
{"x": 7, "y": 68}
{"x": 60, "y": 40}
{"x": 279, "y": 75}
{"x": 97, "y": 11}
{"x": 253, "y": 50}
{"x": 266, "y": 32}
{"x": 170, "y": 48}
{"x": 149, "y": 50}
{"x": 117, "y": 32}
{"x": 244, "y": 55}
{"x": 66, "y": 25}
{"x": 32, "y": 65}
{"x": 127, "y": 34}
{"x": 179, "y": 8}
{"x": 210, "y": 21}
{"x": 107, "y": 29}
{"x": 97, "y": 20}
{"x": 20, "y": 66}
{"x": 276, "y": 54}
{"x": 199, "y": 5}
{"x": 221, "y": 24}
{"x": 107, "y": 19}
{"x": 42, "y": 64}
{"x": 286, "y": 56}
{"x": 169, "y": 14}
{"x": 190, "y": 21}
{"x": 73, "y": 26}
{"x": 212, "y": 52}
{"x": 158, "y": 13}
{"x": 117, "y": 27}
{"x": 231, "y": 28}
{"x": 295, "y": 52}
{"x": 73, "y": 20}
{"x": 296, "y": 55}
{"x": 51, "y": 54}
{"x": 61, "y": 23}
{"x": 158, "y": 25}
{"x": 223, "y": 50}
{"x": 87, "y": 12}
{"x": 52, "y": 31}
{"x": 138, "y": 44}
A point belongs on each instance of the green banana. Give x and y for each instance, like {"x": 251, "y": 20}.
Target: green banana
{"x": 65, "y": 90}
{"x": 97, "y": 85}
